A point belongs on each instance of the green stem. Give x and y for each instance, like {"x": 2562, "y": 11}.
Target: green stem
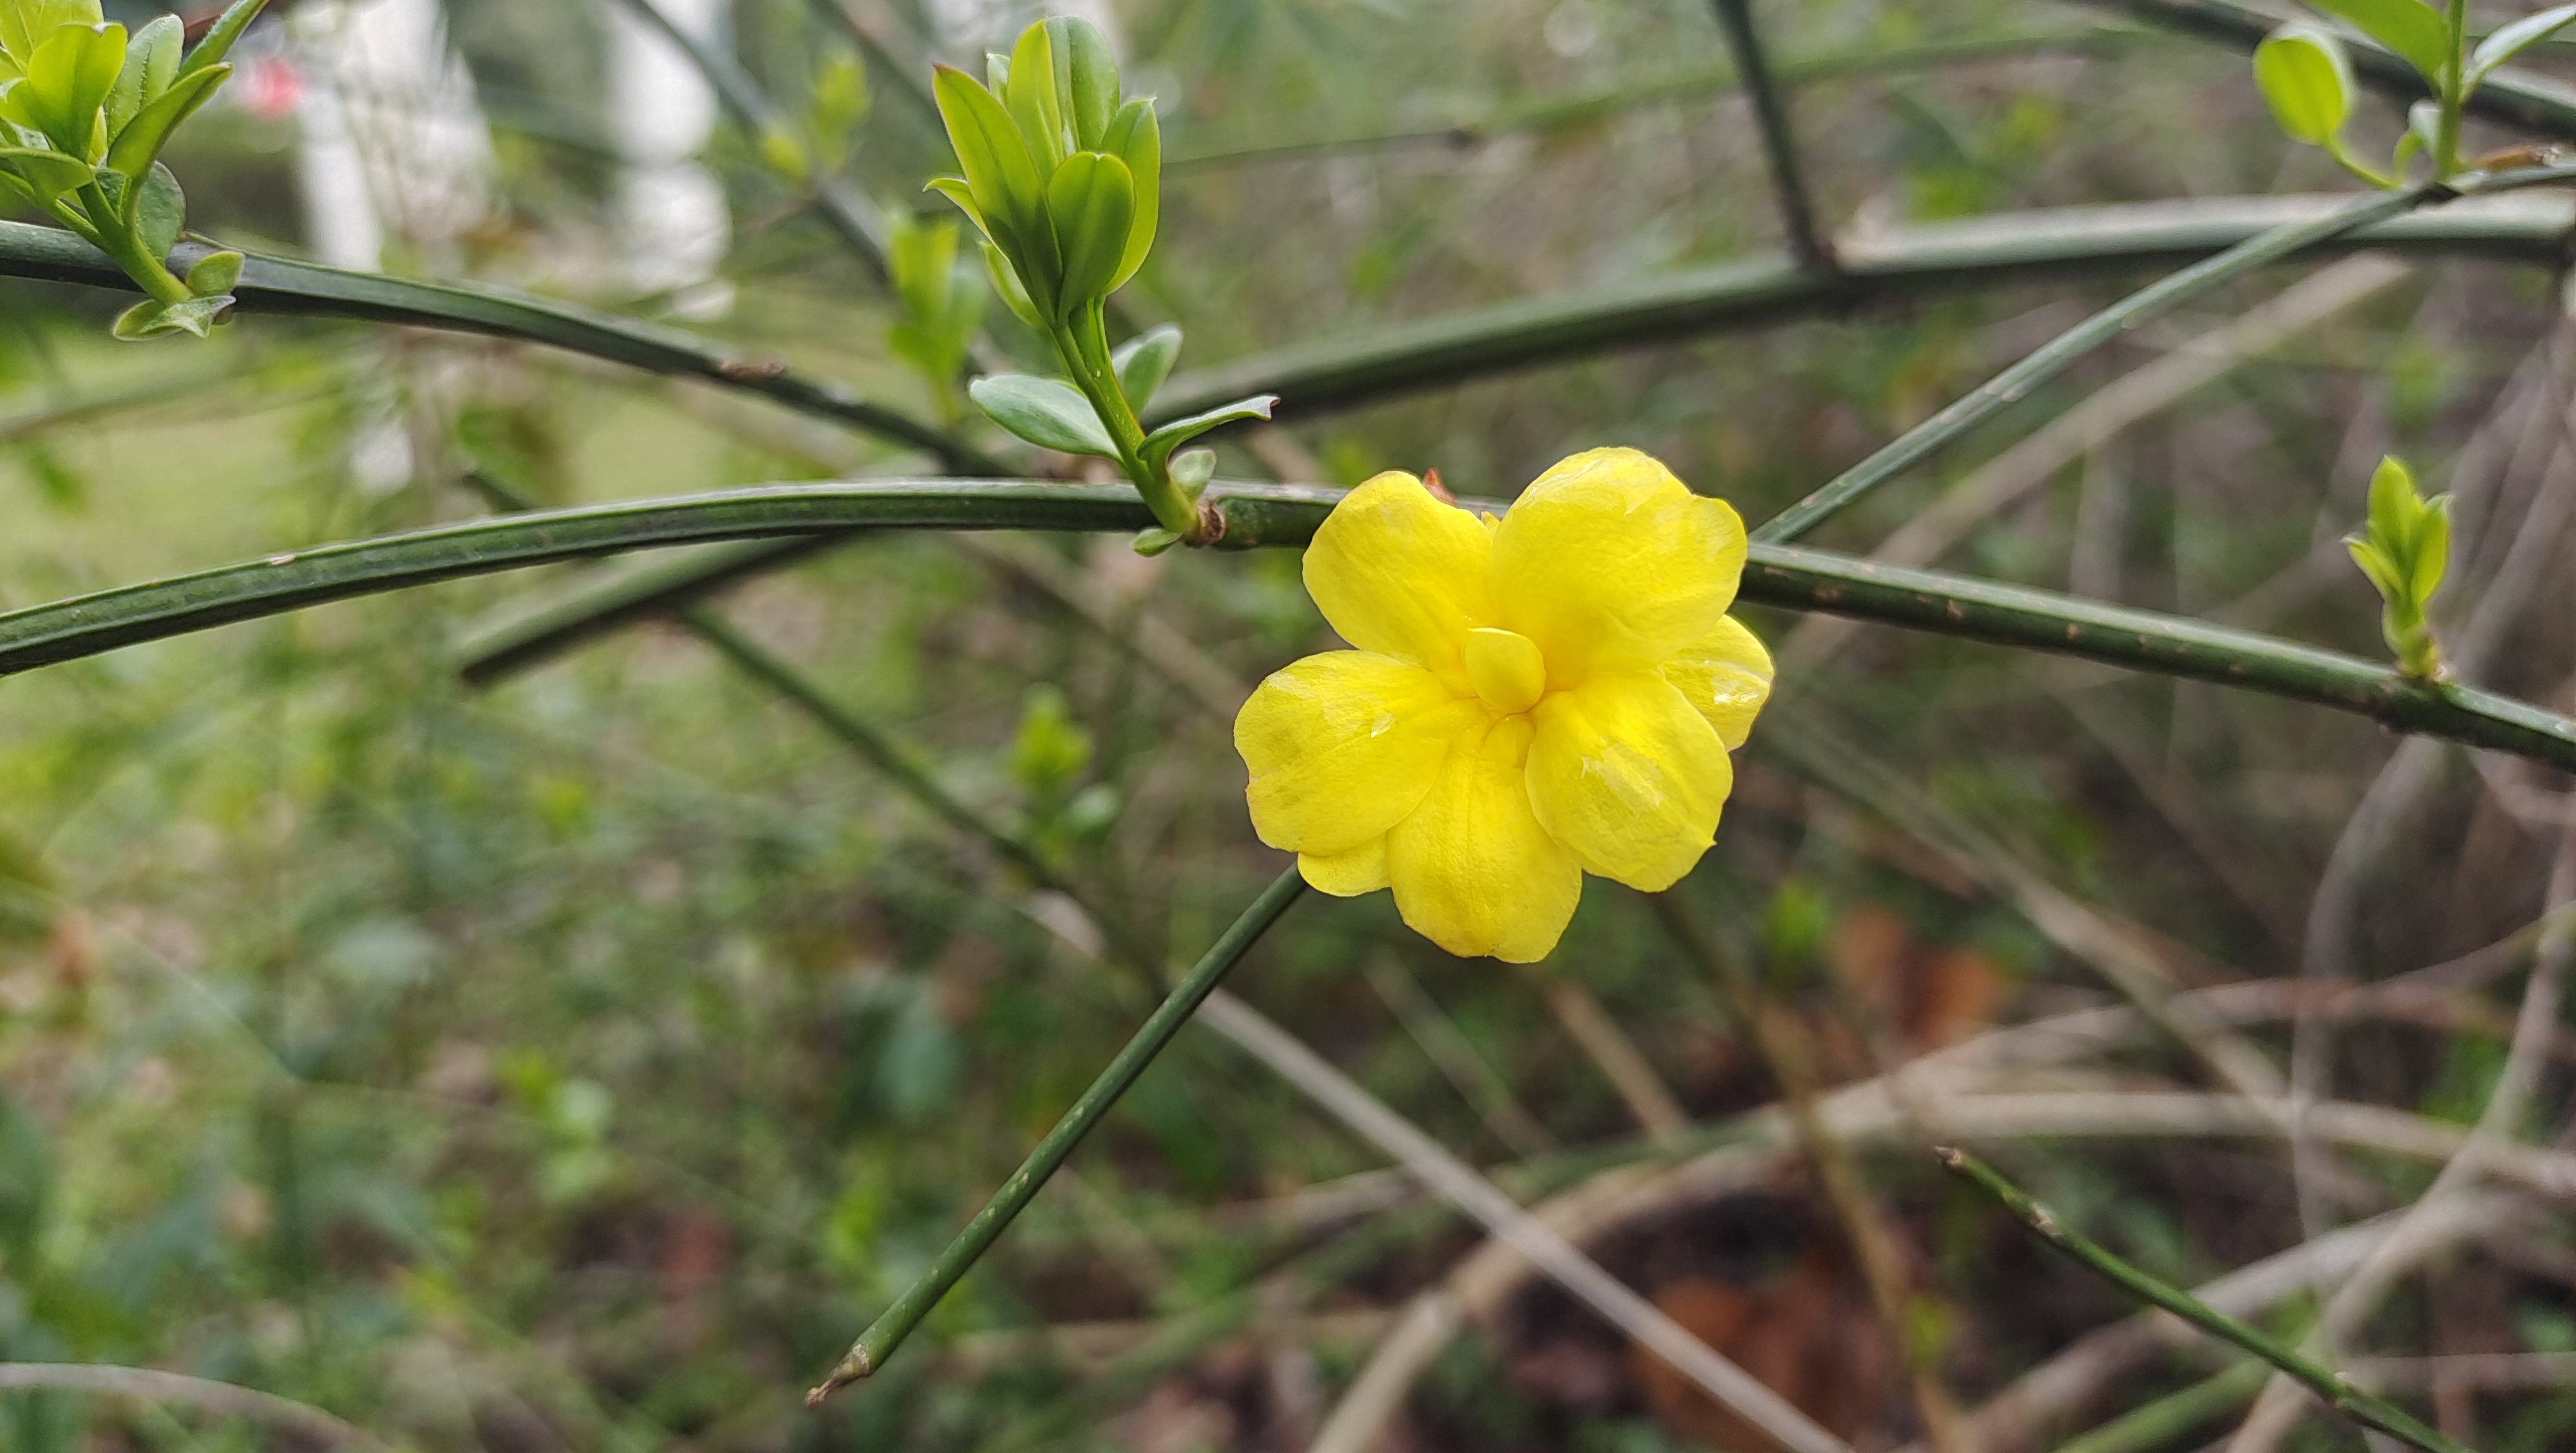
{"x": 888, "y": 1332}
{"x": 2509, "y": 97}
{"x": 2061, "y": 353}
{"x": 279, "y": 285}
{"x": 1791, "y": 577}
{"x": 1807, "y": 241}
{"x": 866, "y": 740}
{"x": 2453, "y": 92}
{"x": 2162, "y": 1422}
{"x": 112, "y": 234}
{"x": 1083, "y": 346}
{"x": 2319, "y": 1379}
{"x": 1912, "y": 265}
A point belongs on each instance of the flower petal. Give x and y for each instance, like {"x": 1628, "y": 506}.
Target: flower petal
{"x": 1630, "y": 777}
{"x": 1342, "y": 746}
{"x": 1473, "y": 871}
{"x": 1400, "y": 573}
{"x": 1727, "y": 677}
{"x": 1612, "y": 565}
{"x": 1347, "y": 875}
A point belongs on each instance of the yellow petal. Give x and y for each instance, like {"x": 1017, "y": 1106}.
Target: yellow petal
{"x": 1347, "y": 875}
{"x": 1727, "y": 677}
{"x": 1472, "y": 869}
{"x": 1629, "y": 777}
{"x": 1400, "y": 573}
{"x": 1611, "y": 565}
{"x": 1342, "y": 746}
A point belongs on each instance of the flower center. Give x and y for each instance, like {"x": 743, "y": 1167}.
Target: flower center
{"x": 1506, "y": 668}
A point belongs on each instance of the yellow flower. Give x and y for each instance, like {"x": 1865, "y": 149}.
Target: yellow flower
{"x": 1532, "y": 698}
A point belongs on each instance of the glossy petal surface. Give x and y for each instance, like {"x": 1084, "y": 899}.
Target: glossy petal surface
{"x": 1727, "y": 677}
{"x": 1342, "y": 746}
{"x": 1612, "y": 565}
{"x": 1350, "y": 874}
{"x": 1472, "y": 869}
{"x": 1630, "y": 777}
{"x": 1398, "y": 572}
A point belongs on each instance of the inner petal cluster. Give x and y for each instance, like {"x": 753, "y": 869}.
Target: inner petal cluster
{"x": 1527, "y": 700}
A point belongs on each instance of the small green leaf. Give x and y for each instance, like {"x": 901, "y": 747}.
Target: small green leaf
{"x": 1160, "y": 444}
{"x": 67, "y": 82}
{"x": 956, "y": 190}
{"x": 151, "y": 64}
{"x": 2307, "y": 82}
{"x": 220, "y": 36}
{"x": 1006, "y": 281}
{"x": 148, "y": 319}
{"x": 1086, "y": 78}
{"x": 1047, "y": 412}
{"x": 1191, "y": 469}
{"x": 2512, "y": 40}
{"x": 1033, "y": 100}
{"x": 2411, "y": 28}
{"x": 1150, "y": 543}
{"x": 48, "y": 174}
{"x": 1002, "y": 176}
{"x": 1091, "y": 202}
{"x": 1144, "y": 361}
{"x": 214, "y": 274}
{"x": 162, "y": 212}
{"x": 1136, "y": 138}
{"x": 27, "y": 24}
{"x": 139, "y": 145}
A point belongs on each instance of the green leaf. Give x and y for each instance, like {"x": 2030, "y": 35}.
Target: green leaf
{"x": 1135, "y": 137}
{"x": 1191, "y": 469}
{"x": 149, "y": 319}
{"x": 2512, "y": 40}
{"x": 1006, "y": 281}
{"x": 138, "y": 147}
{"x": 220, "y": 36}
{"x": 67, "y": 82}
{"x": 2409, "y": 27}
{"x": 48, "y": 174}
{"x": 159, "y": 211}
{"x": 1091, "y": 202}
{"x": 151, "y": 64}
{"x": 1001, "y": 176}
{"x": 26, "y": 24}
{"x": 1086, "y": 78}
{"x": 1047, "y": 412}
{"x": 1144, "y": 361}
{"x": 956, "y": 190}
{"x": 1033, "y": 100}
{"x": 1160, "y": 444}
{"x": 2432, "y": 552}
{"x": 214, "y": 274}
{"x": 2307, "y": 82}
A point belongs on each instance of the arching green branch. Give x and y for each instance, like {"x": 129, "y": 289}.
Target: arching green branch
{"x": 1797, "y": 579}
{"x": 2508, "y": 96}
{"x": 2065, "y": 243}
{"x": 278, "y": 285}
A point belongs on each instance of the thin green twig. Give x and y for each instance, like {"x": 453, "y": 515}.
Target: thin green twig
{"x": 888, "y": 1332}
{"x": 2508, "y": 95}
{"x": 2062, "y": 352}
{"x": 2317, "y": 1378}
{"x": 1807, "y": 241}
{"x": 1285, "y": 515}
{"x": 282, "y": 285}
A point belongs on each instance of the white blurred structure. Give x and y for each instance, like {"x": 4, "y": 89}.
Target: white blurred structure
{"x": 673, "y": 225}
{"x": 969, "y": 28}
{"x": 394, "y": 145}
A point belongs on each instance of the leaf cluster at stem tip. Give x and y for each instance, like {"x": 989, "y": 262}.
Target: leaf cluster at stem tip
{"x": 85, "y": 110}
{"x": 2306, "y": 77}
{"x": 2405, "y": 548}
{"x": 1062, "y": 174}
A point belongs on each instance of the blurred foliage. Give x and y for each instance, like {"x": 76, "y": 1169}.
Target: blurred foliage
{"x": 577, "y": 1065}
